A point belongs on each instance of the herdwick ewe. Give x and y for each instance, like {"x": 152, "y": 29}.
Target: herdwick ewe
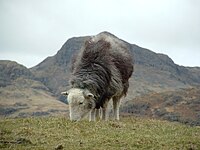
{"x": 100, "y": 72}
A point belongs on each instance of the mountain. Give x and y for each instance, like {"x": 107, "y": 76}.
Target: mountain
{"x": 153, "y": 71}
{"x": 22, "y": 96}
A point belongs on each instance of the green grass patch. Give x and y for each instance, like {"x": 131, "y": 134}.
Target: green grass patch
{"x": 129, "y": 133}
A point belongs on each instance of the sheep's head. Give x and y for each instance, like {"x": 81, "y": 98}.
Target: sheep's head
{"x": 80, "y": 101}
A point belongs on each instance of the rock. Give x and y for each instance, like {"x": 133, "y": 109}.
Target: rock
{"x": 59, "y": 147}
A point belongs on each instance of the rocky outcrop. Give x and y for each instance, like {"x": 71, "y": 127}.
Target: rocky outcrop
{"x": 11, "y": 70}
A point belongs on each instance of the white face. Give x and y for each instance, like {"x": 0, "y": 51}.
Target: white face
{"x": 80, "y": 103}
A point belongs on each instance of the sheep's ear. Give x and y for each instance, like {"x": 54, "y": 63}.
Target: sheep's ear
{"x": 65, "y": 93}
{"x": 90, "y": 95}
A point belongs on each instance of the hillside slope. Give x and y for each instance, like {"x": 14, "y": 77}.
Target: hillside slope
{"x": 22, "y": 96}
{"x": 181, "y": 105}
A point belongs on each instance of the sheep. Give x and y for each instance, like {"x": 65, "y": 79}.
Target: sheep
{"x": 100, "y": 72}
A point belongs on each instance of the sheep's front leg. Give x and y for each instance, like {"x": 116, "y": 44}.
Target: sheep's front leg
{"x": 92, "y": 116}
{"x": 98, "y": 114}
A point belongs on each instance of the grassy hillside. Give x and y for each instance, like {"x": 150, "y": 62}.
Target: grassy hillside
{"x": 129, "y": 133}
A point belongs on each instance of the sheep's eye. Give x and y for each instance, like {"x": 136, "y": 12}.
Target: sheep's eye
{"x": 80, "y": 103}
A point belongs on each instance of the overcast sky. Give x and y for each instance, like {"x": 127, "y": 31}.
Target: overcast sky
{"x": 31, "y": 30}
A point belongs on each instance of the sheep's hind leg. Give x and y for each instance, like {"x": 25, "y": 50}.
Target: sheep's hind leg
{"x": 104, "y": 111}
